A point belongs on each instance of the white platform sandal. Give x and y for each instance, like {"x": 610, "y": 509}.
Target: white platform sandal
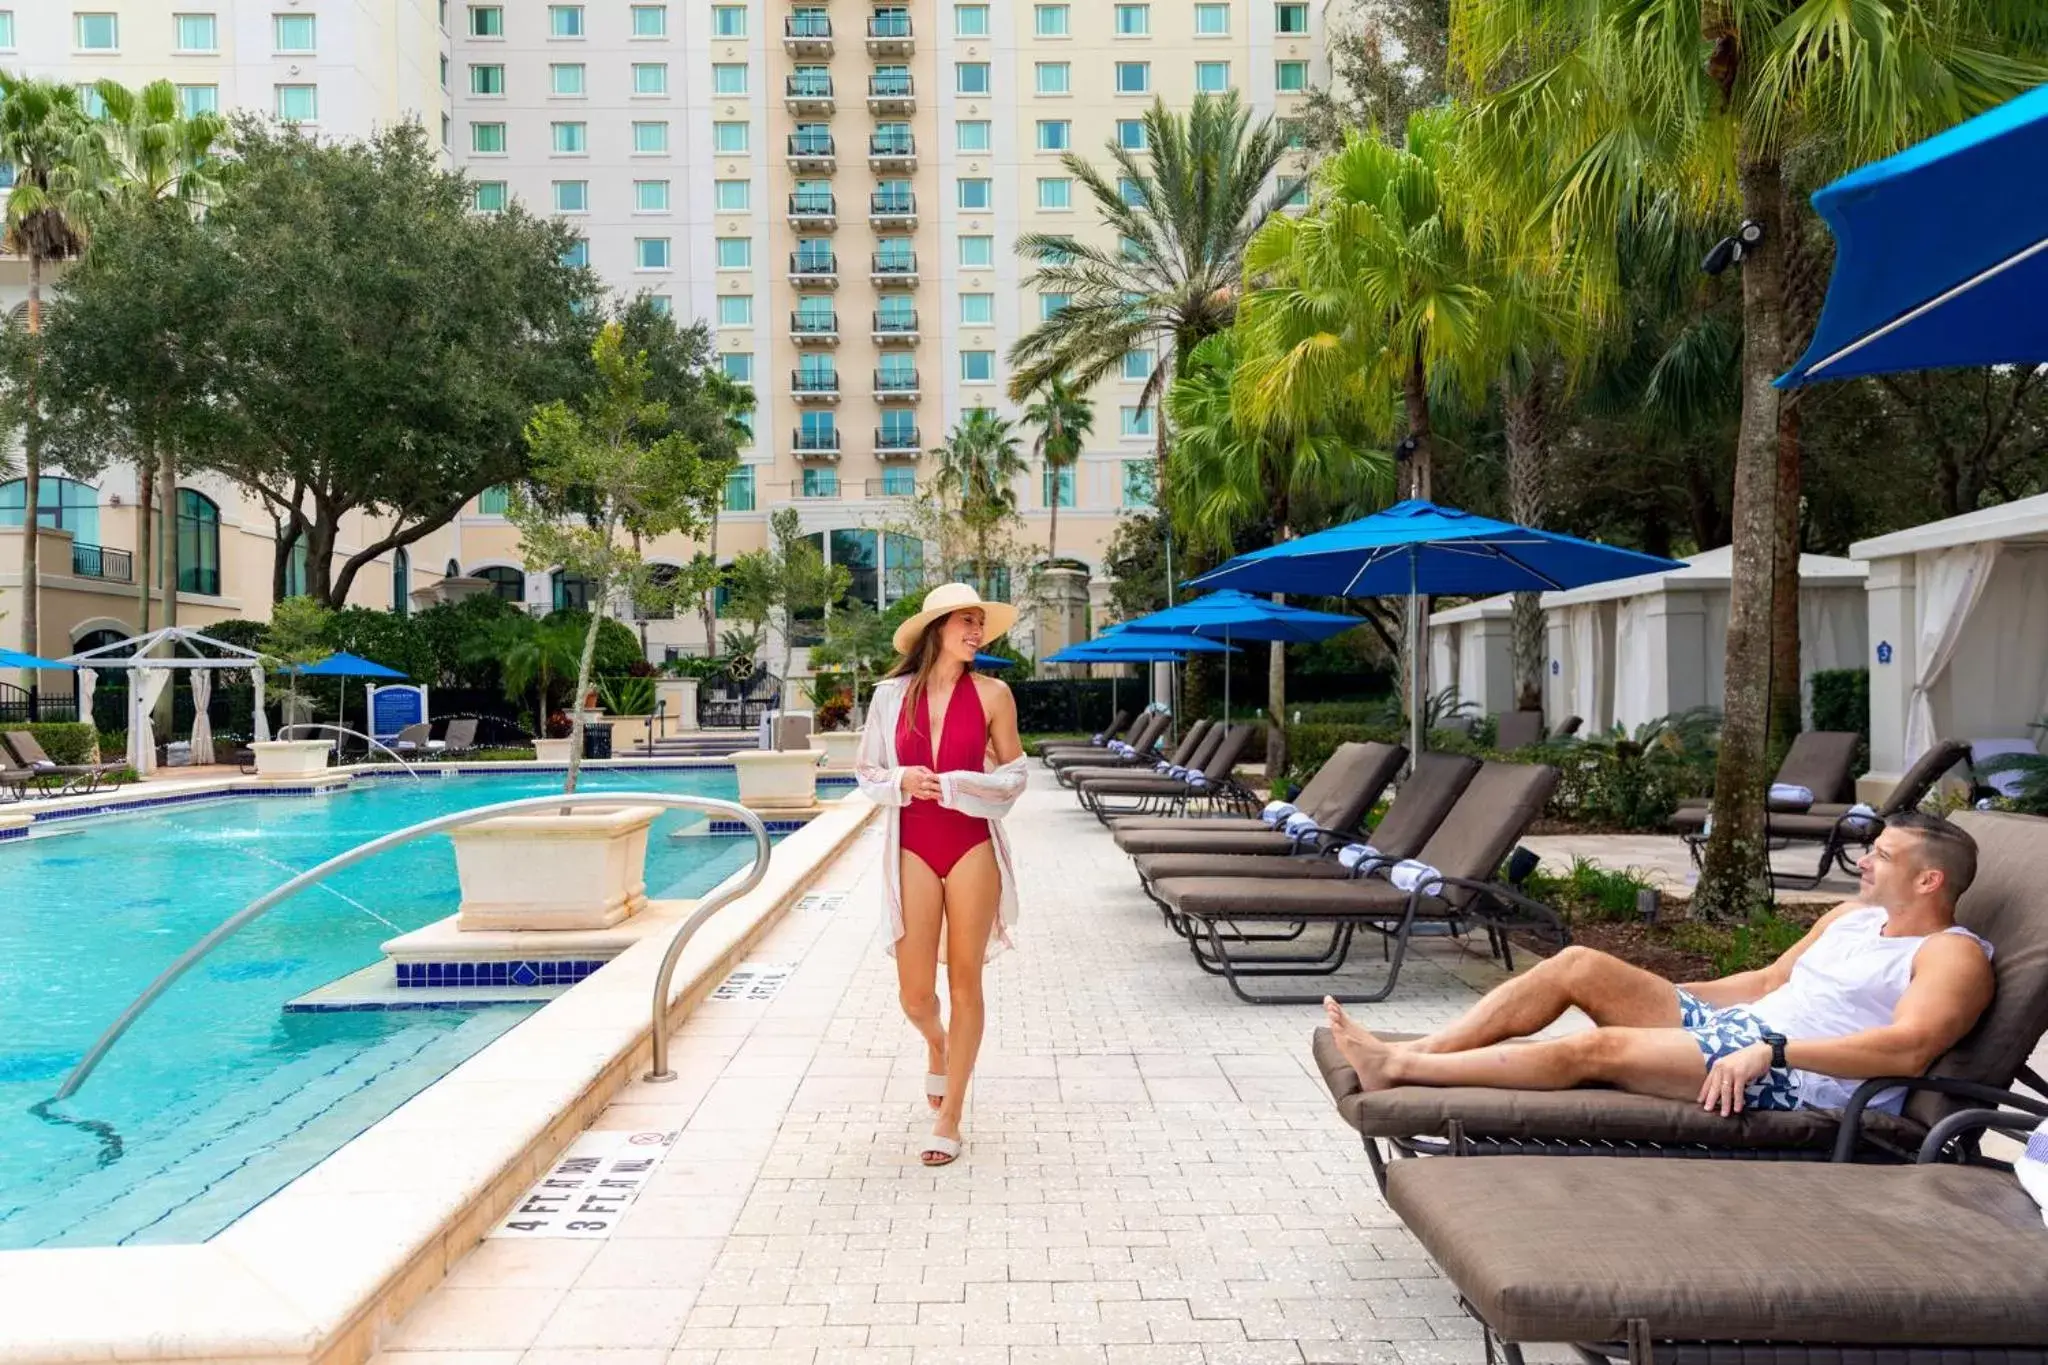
{"x": 946, "y": 1149}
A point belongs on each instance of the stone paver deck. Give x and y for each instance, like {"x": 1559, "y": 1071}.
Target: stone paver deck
{"x": 1153, "y": 1174}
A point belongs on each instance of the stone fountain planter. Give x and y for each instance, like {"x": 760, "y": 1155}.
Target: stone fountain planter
{"x": 291, "y": 758}
{"x": 839, "y": 748}
{"x": 551, "y": 750}
{"x": 777, "y": 779}
{"x": 584, "y": 870}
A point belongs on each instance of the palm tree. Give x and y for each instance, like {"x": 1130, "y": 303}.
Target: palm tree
{"x": 159, "y": 157}
{"x": 1063, "y": 418}
{"x": 1182, "y": 210}
{"x": 1616, "y": 106}
{"x": 56, "y": 155}
{"x": 978, "y": 466}
{"x": 1236, "y": 473}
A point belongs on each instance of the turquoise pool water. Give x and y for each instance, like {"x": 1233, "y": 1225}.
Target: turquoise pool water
{"x": 217, "y": 1097}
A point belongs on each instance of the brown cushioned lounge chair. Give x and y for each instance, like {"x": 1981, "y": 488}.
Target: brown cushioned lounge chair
{"x": 1568, "y": 727}
{"x": 1118, "y": 724}
{"x": 1209, "y": 780}
{"x": 1148, "y": 731}
{"x": 1467, "y": 850}
{"x": 2007, "y": 904}
{"x": 1518, "y": 730}
{"x": 1732, "y": 1263}
{"x": 1337, "y": 798}
{"x": 1200, "y": 739}
{"x": 72, "y": 779}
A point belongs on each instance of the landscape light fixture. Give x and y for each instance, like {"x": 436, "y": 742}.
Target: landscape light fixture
{"x": 1734, "y": 250}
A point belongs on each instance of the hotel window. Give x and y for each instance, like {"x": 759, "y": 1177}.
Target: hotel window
{"x": 728, "y": 78}
{"x": 1290, "y": 78}
{"x": 970, "y": 21}
{"x": 977, "y": 253}
{"x": 444, "y": 86}
{"x": 566, "y": 78}
{"x": 1133, "y": 78}
{"x": 977, "y": 310}
{"x": 975, "y": 194}
{"x": 1298, "y": 199}
{"x": 977, "y": 367}
{"x": 1138, "y": 483}
{"x": 1050, "y": 21}
{"x": 1133, "y": 21}
{"x": 728, "y": 21}
{"x": 650, "y": 21}
{"x": 6, "y": 30}
{"x": 565, "y": 21}
{"x": 294, "y": 32}
{"x": 820, "y": 481}
{"x": 1055, "y": 135}
{"x": 1130, "y": 191}
{"x": 1057, "y": 486}
{"x": 650, "y": 78}
{"x": 577, "y": 256}
{"x": 971, "y": 135}
{"x": 970, "y": 78}
{"x": 1055, "y": 193}
{"x": 735, "y": 310}
{"x": 1290, "y": 17}
{"x": 98, "y": 32}
{"x": 198, "y": 99}
{"x": 1131, "y": 248}
{"x": 731, "y": 196}
{"x": 1137, "y": 366}
{"x": 738, "y": 366}
{"x": 487, "y": 138}
{"x": 650, "y": 253}
{"x": 196, "y": 32}
{"x": 298, "y": 104}
{"x": 898, "y": 482}
{"x": 486, "y": 21}
{"x": 488, "y": 196}
{"x": 446, "y": 123}
{"x": 1130, "y": 134}
{"x": 1054, "y": 78}
{"x": 1291, "y": 132}
{"x": 651, "y": 196}
{"x": 1136, "y": 421}
{"x": 488, "y": 80}
{"x": 1051, "y": 306}
{"x": 662, "y": 304}
{"x": 572, "y": 196}
{"x": 1212, "y": 21}
{"x": 734, "y": 253}
{"x": 569, "y": 139}
{"x": 494, "y": 501}
{"x": 1212, "y": 78}
{"x": 650, "y": 139}
{"x": 739, "y": 492}
{"x": 730, "y": 139}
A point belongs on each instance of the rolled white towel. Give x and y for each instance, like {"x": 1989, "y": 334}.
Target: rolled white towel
{"x": 1411, "y": 875}
{"x": 1862, "y": 818}
{"x": 2032, "y": 1168}
{"x": 1198, "y": 781}
{"x": 1299, "y": 826}
{"x": 1276, "y": 812}
{"x": 1097, "y": 738}
{"x": 1121, "y": 749}
{"x": 1352, "y": 855}
{"x": 1787, "y": 794}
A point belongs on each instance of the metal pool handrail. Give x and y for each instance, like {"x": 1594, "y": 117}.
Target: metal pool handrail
{"x": 357, "y": 734}
{"x": 228, "y": 927}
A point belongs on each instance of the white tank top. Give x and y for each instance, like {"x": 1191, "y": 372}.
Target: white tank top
{"x": 1848, "y": 981}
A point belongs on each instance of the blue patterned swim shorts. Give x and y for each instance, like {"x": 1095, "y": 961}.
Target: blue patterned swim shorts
{"x": 1722, "y": 1031}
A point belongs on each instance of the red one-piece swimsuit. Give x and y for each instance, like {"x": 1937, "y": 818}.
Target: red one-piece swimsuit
{"x": 940, "y": 835}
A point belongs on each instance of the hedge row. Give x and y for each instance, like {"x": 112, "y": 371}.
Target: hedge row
{"x": 65, "y": 741}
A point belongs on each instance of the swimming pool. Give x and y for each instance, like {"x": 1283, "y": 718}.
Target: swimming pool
{"x": 218, "y": 1097}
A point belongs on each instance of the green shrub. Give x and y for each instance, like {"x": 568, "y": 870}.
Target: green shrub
{"x": 627, "y": 696}
{"x": 1744, "y": 948}
{"x": 450, "y": 631}
{"x": 1589, "y": 892}
{"x": 65, "y": 741}
{"x": 1841, "y": 700}
{"x": 385, "y": 638}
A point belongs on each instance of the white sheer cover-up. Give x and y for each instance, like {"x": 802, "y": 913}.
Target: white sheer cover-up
{"x": 989, "y": 795}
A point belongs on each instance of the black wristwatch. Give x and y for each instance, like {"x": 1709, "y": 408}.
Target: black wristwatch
{"x": 1777, "y": 1042}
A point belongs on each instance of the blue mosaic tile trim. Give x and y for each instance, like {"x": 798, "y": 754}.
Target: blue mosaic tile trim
{"x": 358, "y": 1006}
{"x": 15, "y": 832}
{"x": 848, "y": 782}
{"x": 735, "y": 828}
{"x": 147, "y": 803}
{"x": 518, "y": 972}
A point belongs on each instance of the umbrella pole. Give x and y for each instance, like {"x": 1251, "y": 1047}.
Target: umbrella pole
{"x": 1415, "y": 681}
{"x": 1226, "y": 677}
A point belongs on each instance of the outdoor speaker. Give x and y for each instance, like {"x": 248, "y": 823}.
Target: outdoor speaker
{"x": 1520, "y": 864}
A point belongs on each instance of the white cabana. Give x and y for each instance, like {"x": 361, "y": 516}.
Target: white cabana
{"x": 1958, "y": 625}
{"x": 152, "y": 672}
{"x": 1471, "y": 648}
{"x": 1635, "y": 649}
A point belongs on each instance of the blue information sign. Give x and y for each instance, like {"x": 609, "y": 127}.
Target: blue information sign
{"x": 394, "y": 708}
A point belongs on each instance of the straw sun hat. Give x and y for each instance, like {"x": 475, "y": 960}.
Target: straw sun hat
{"x": 946, "y": 599}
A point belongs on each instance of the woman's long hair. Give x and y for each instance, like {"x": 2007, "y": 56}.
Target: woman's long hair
{"x": 917, "y": 665}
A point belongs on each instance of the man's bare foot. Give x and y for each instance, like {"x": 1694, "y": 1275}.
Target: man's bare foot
{"x": 1369, "y": 1057}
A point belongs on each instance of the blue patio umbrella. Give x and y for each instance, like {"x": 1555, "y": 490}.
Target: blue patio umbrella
{"x": 1232, "y": 615}
{"x": 1120, "y": 644}
{"x": 14, "y": 658}
{"x": 1417, "y": 550}
{"x": 346, "y": 666}
{"x": 992, "y": 661}
{"x": 1941, "y": 253}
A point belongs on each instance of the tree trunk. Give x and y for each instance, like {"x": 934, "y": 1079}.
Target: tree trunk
{"x": 583, "y": 667}
{"x": 1528, "y": 464}
{"x": 1415, "y": 397}
{"x": 146, "y": 576}
{"x": 1052, "y": 533}
{"x": 320, "y": 538}
{"x": 708, "y": 606}
{"x": 1735, "y": 876}
{"x": 1785, "y": 684}
{"x": 281, "y": 558}
{"x": 167, "y": 502}
{"x": 31, "y": 472}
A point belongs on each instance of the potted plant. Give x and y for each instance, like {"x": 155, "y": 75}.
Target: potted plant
{"x": 835, "y": 736}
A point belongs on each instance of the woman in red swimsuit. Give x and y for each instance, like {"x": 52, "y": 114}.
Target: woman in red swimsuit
{"x": 936, "y": 728}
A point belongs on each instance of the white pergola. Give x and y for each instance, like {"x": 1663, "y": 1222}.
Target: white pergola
{"x": 139, "y": 656}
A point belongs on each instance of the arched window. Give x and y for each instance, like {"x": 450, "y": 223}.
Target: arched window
{"x": 61, "y": 504}
{"x": 401, "y": 582}
{"x": 295, "y": 570}
{"x": 659, "y": 604}
{"x": 198, "y": 543}
{"x": 507, "y": 583}
{"x": 452, "y": 570}
{"x": 98, "y": 639}
{"x": 572, "y": 591}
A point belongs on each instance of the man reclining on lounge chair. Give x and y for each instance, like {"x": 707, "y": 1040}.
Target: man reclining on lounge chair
{"x": 1880, "y": 986}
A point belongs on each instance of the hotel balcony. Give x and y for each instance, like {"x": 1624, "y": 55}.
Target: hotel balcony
{"x": 808, "y": 94}
{"x": 889, "y": 488}
{"x": 899, "y": 385}
{"x": 814, "y": 445}
{"x": 811, "y": 152}
{"x": 892, "y": 210}
{"x": 814, "y": 329}
{"x": 895, "y": 329}
{"x": 97, "y": 561}
{"x": 813, "y": 212}
{"x": 892, "y": 94}
{"x": 814, "y": 269}
{"x": 812, "y": 387}
{"x": 897, "y": 444}
{"x": 896, "y": 152}
{"x": 889, "y": 35}
{"x": 892, "y": 268}
{"x": 807, "y": 35}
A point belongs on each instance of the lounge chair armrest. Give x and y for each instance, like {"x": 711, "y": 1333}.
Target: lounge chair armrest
{"x": 1851, "y": 1131}
{"x": 1545, "y": 917}
{"x": 1973, "y": 1121}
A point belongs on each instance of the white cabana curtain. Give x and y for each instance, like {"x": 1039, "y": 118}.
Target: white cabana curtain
{"x": 1996, "y": 687}
{"x": 88, "y": 683}
{"x": 262, "y": 721}
{"x": 1590, "y": 653}
{"x": 1443, "y": 660}
{"x": 202, "y": 728}
{"x": 1834, "y": 632}
{"x": 1951, "y": 582}
{"x": 1635, "y": 698}
{"x": 149, "y": 688}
